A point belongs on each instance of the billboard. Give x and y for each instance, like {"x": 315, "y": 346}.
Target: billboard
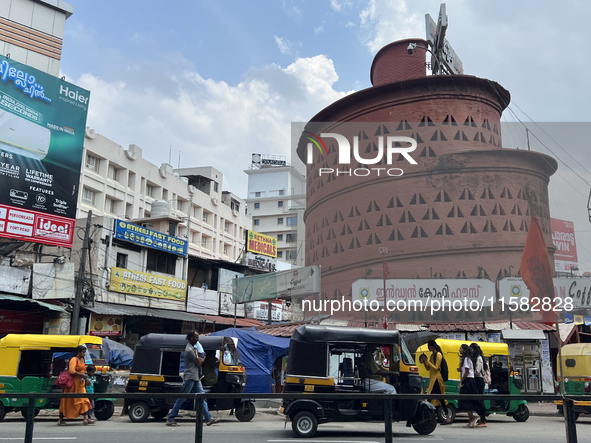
{"x": 105, "y": 325}
{"x": 42, "y": 124}
{"x": 150, "y": 285}
{"x": 149, "y": 238}
{"x": 261, "y": 244}
{"x": 563, "y": 237}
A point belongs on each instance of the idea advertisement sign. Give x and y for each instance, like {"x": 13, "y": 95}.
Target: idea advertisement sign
{"x": 42, "y": 123}
{"x": 563, "y": 237}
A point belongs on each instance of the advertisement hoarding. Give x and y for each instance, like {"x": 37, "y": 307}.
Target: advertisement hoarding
{"x": 513, "y": 290}
{"x": 261, "y": 244}
{"x": 105, "y": 325}
{"x": 149, "y": 238}
{"x": 563, "y": 237}
{"x": 149, "y": 285}
{"x": 42, "y": 124}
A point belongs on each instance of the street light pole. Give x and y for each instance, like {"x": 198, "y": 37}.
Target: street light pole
{"x": 368, "y": 272}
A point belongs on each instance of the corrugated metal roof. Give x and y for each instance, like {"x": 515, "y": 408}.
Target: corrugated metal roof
{"x": 37, "y": 302}
{"x": 533, "y": 325}
{"x": 139, "y": 311}
{"x": 240, "y": 322}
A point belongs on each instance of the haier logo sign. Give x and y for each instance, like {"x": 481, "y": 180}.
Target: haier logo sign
{"x": 73, "y": 95}
{"x": 390, "y": 147}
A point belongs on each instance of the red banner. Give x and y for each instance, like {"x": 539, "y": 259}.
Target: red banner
{"x": 33, "y": 226}
{"x": 536, "y": 271}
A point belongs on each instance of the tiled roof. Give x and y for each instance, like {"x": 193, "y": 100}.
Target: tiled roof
{"x": 281, "y": 329}
{"x": 490, "y": 326}
{"x": 240, "y": 322}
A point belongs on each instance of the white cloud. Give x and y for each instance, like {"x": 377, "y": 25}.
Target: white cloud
{"x": 210, "y": 121}
{"x": 283, "y": 44}
{"x": 339, "y": 5}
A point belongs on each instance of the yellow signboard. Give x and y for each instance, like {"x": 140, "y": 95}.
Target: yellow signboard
{"x": 261, "y": 244}
{"x": 149, "y": 285}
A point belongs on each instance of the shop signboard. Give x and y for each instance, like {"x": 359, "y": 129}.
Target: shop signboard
{"x": 563, "y": 237}
{"x": 261, "y": 244}
{"x": 132, "y": 233}
{"x": 42, "y": 124}
{"x": 149, "y": 285}
{"x": 513, "y": 290}
{"x": 105, "y": 325}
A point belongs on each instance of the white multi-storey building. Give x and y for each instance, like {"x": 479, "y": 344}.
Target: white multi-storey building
{"x": 276, "y": 201}
{"x": 187, "y": 203}
{"x": 33, "y": 31}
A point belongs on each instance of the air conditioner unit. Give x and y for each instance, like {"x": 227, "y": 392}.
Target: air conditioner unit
{"x": 23, "y": 137}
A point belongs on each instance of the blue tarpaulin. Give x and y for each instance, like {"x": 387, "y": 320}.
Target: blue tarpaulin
{"x": 117, "y": 354}
{"x": 258, "y": 352}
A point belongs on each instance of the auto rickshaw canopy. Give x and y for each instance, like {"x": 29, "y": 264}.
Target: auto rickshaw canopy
{"x": 328, "y": 334}
{"x": 576, "y": 360}
{"x": 41, "y": 341}
{"x": 178, "y": 342}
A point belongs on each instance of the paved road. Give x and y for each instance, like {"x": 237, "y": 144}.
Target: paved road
{"x": 268, "y": 428}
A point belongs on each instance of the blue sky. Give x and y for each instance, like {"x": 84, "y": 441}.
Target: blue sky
{"x": 216, "y": 80}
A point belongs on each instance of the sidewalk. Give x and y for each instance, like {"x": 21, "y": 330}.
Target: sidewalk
{"x": 547, "y": 409}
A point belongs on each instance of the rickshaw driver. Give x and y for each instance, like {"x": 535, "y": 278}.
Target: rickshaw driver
{"x": 375, "y": 373}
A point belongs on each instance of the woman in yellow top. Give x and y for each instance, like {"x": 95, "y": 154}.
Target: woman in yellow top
{"x": 436, "y": 384}
{"x": 73, "y": 407}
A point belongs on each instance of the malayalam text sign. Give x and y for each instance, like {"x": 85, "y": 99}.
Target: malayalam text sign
{"x": 42, "y": 124}
{"x": 149, "y": 285}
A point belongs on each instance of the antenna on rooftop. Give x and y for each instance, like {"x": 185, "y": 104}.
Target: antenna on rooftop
{"x": 169, "y": 154}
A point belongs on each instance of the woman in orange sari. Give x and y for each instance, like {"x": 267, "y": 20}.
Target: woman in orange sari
{"x": 74, "y": 407}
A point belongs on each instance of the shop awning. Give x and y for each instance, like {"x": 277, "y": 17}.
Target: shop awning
{"x": 140, "y": 311}
{"x": 240, "y": 322}
{"x": 519, "y": 334}
{"x": 16, "y": 298}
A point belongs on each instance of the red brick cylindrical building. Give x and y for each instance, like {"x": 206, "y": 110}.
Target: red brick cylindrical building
{"x": 463, "y": 210}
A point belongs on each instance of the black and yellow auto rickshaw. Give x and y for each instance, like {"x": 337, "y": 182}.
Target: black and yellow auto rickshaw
{"x": 156, "y": 368}
{"x": 327, "y": 359}
{"x": 576, "y": 363}
{"x": 30, "y": 363}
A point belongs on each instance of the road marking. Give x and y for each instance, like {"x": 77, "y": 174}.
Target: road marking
{"x": 40, "y": 438}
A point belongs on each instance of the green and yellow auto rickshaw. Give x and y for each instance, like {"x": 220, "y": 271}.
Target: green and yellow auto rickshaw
{"x": 576, "y": 364}
{"x": 330, "y": 359}
{"x": 503, "y": 380}
{"x": 157, "y": 366}
{"x": 30, "y": 363}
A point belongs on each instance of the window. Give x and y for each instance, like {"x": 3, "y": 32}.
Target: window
{"x": 113, "y": 173}
{"x": 215, "y": 186}
{"x": 280, "y": 220}
{"x": 161, "y": 261}
{"x": 257, "y": 206}
{"x": 92, "y": 163}
{"x": 279, "y": 254}
{"x": 206, "y": 217}
{"x": 291, "y": 238}
{"x": 172, "y": 229}
{"x": 279, "y": 237}
{"x": 88, "y": 196}
{"x": 280, "y": 204}
{"x": 121, "y": 260}
{"x": 180, "y": 205}
{"x": 111, "y": 206}
{"x": 150, "y": 190}
{"x": 227, "y": 226}
{"x": 281, "y": 192}
{"x": 292, "y": 221}
{"x": 235, "y": 206}
{"x": 226, "y": 250}
{"x": 290, "y": 255}
{"x": 204, "y": 242}
{"x": 257, "y": 194}
{"x": 256, "y": 221}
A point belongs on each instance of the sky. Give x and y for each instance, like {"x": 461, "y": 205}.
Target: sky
{"x": 215, "y": 81}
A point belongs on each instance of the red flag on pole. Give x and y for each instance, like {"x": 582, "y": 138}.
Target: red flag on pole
{"x": 537, "y": 273}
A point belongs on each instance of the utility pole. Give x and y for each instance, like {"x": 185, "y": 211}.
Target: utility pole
{"x": 80, "y": 283}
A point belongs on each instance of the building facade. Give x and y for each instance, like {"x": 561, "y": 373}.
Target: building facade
{"x": 464, "y": 208}
{"x": 33, "y": 32}
{"x": 276, "y": 202}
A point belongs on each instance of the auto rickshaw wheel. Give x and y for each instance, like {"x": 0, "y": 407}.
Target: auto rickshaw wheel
{"x": 139, "y": 412}
{"x": 2, "y": 411}
{"x": 160, "y": 414}
{"x": 441, "y": 417}
{"x": 25, "y": 412}
{"x": 245, "y": 411}
{"x": 522, "y": 413}
{"x": 104, "y": 409}
{"x": 304, "y": 424}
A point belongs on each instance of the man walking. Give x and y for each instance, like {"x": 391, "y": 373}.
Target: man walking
{"x": 191, "y": 381}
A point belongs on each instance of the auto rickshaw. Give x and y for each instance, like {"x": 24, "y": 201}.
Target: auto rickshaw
{"x": 576, "y": 363}
{"x": 157, "y": 367}
{"x": 503, "y": 381}
{"x": 30, "y": 363}
{"x": 327, "y": 359}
